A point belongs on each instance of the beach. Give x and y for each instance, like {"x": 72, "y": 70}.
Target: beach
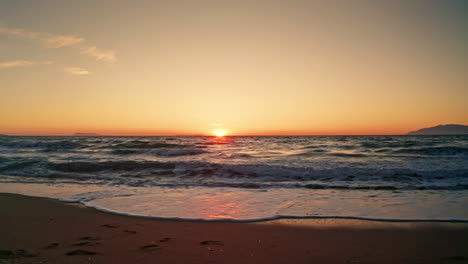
{"x": 42, "y": 230}
{"x": 267, "y": 131}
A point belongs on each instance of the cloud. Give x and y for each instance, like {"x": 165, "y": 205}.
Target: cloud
{"x": 13, "y": 64}
{"x": 104, "y": 55}
{"x": 17, "y": 32}
{"x": 49, "y": 40}
{"x": 21, "y": 63}
{"x": 76, "y": 71}
{"x": 60, "y": 41}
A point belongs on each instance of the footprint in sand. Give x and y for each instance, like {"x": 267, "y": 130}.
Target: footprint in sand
{"x": 150, "y": 246}
{"x": 81, "y": 252}
{"x": 165, "y": 239}
{"x": 6, "y": 254}
{"x": 89, "y": 238}
{"x": 26, "y": 253}
{"x": 110, "y": 226}
{"x": 9, "y": 254}
{"x": 79, "y": 244}
{"x": 211, "y": 243}
{"x": 52, "y": 245}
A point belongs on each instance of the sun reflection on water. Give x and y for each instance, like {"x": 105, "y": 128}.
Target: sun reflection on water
{"x": 220, "y": 206}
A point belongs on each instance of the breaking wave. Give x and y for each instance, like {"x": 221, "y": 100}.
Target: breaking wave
{"x": 244, "y": 162}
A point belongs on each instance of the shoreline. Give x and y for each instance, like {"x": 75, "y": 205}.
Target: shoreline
{"x": 45, "y": 230}
{"x": 416, "y": 209}
{"x": 272, "y": 219}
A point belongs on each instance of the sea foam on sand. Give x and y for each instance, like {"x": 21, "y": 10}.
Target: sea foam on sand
{"x": 236, "y": 204}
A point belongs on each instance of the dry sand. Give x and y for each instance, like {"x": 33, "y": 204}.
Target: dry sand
{"x": 38, "y": 230}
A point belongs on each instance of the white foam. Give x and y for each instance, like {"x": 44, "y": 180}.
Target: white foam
{"x": 252, "y": 205}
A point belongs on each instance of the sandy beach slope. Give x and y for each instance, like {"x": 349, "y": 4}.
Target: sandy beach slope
{"x": 38, "y": 230}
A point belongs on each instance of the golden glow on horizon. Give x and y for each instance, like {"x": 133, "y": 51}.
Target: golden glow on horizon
{"x": 220, "y": 132}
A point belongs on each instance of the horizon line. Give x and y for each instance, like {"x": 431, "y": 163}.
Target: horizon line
{"x": 207, "y": 135}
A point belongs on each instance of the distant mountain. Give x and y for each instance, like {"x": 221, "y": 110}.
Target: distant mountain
{"x": 442, "y": 130}
{"x": 86, "y": 134}
{"x": 3, "y": 135}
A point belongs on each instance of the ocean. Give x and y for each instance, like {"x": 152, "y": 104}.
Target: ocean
{"x": 389, "y": 178}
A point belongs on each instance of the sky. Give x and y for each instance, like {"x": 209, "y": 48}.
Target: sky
{"x": 265, "y": 67}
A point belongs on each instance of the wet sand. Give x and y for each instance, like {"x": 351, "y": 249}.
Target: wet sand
{"x": 39, "y": 230}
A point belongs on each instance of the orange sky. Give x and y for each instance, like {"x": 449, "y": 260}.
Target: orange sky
{"x": 264, "y": 68}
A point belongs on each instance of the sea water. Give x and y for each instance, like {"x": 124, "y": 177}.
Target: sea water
{"x": 246, "y": 178}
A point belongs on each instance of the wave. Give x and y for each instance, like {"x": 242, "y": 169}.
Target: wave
{"x": 161, "y": 152}
{"x": 46, "y": 145}
{"x": 314, "y": 146}
{"x": 247, "y": 161}
{"x": 324, "y": 152}
{"x": 261, "y": 186}
{"x": 366, "y": 149}
{"x": 239, "y": 156}
{"x": 213, "y": 143}
{"x": 345, "y": 155}
{"x": 176, "y": 152}
{"x": 19, "y": 164}
{"x": 434, "y": 151}
{"x": 126, "y": 151}
{"x": 442, "y": 151}
{"x": 386, "y": 187}
{"x": 391, "y": 144}
{"x": 108, "y": 166}
{"x": 138, "y": 144}
{"x": 205, "y": 170}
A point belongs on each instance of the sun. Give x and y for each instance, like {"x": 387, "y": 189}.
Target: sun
{"x": 219, "y": 132}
